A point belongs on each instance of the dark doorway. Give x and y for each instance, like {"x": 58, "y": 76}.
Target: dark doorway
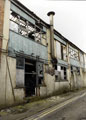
{"x": 30, "y": 77}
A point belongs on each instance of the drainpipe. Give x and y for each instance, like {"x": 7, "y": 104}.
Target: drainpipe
{"x": 51, "y": 14}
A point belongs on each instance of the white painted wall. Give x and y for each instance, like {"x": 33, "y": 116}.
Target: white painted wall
{"x": 43, "y": 91}
{"x": 50, "y": 83}
{"x": 20, "y": 78}
{"x": 61, "y": 85}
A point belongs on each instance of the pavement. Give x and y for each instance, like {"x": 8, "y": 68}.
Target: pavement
{"x": 59, "y": 107}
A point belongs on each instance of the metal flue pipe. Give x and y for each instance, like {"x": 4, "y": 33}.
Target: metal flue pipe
{"x": 51, "y": 14}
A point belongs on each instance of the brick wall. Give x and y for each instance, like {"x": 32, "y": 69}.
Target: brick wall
{"x": 1, "y": 22}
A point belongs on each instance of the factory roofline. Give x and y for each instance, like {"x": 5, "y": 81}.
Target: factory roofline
{"x": 33, "y": 15}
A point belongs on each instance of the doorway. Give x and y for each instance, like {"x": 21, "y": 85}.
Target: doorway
{"x": 30, "y": 77}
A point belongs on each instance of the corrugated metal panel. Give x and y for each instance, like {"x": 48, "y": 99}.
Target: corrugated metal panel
{"x": 62, "y": 63}
{"x": 21, "y": 13}
{"x": 59, "y": 39}
{"x": 20, "y": 43}
{"x": 74, "y": 62}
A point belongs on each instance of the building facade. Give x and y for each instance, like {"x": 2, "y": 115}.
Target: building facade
{"x": 35, "y": 59}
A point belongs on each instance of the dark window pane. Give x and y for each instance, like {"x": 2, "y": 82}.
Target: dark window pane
{"x": 20, "y": 63}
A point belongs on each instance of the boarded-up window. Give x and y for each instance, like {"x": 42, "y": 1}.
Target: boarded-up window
{"x": 58, "y": 49}
{"x": 14, "y": 26}
{"x": 20, "y": 72}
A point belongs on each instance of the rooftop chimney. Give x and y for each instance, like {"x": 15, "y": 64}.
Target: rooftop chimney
{"x": 51, "y": 14}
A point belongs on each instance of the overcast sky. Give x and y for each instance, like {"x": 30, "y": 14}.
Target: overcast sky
{"x": 69, "y": 20}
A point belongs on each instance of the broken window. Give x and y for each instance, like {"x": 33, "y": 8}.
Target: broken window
{"x": 13, "y": 17}
{"x": 56, "y": 73}
{"x": 60, "y": 73}
{"x": 13, "y": 21}
{"x": 56, "y": 78}
{"x": 14, "y": 26}
{"x": 73, "y": 53}
{"x": 63, "y": 52}
{"x": 40, "y": 73}
{"x": 78, "y": 70}
{"x": 22, "y": 27}
{"x": 64, "y": 73}
{"x": 72, "y": 70}
{"x": 25, "y": 28}
{"x": 20, "y": 63}
{"x": 43, "y": 38}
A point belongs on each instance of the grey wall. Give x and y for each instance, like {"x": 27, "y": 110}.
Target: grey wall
{"x": 20, "y": 43}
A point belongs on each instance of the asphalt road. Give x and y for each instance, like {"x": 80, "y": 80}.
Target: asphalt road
{"x": 73, "y": 109}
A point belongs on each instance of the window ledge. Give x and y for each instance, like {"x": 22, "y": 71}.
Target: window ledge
{"x": 18, "y": 87}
